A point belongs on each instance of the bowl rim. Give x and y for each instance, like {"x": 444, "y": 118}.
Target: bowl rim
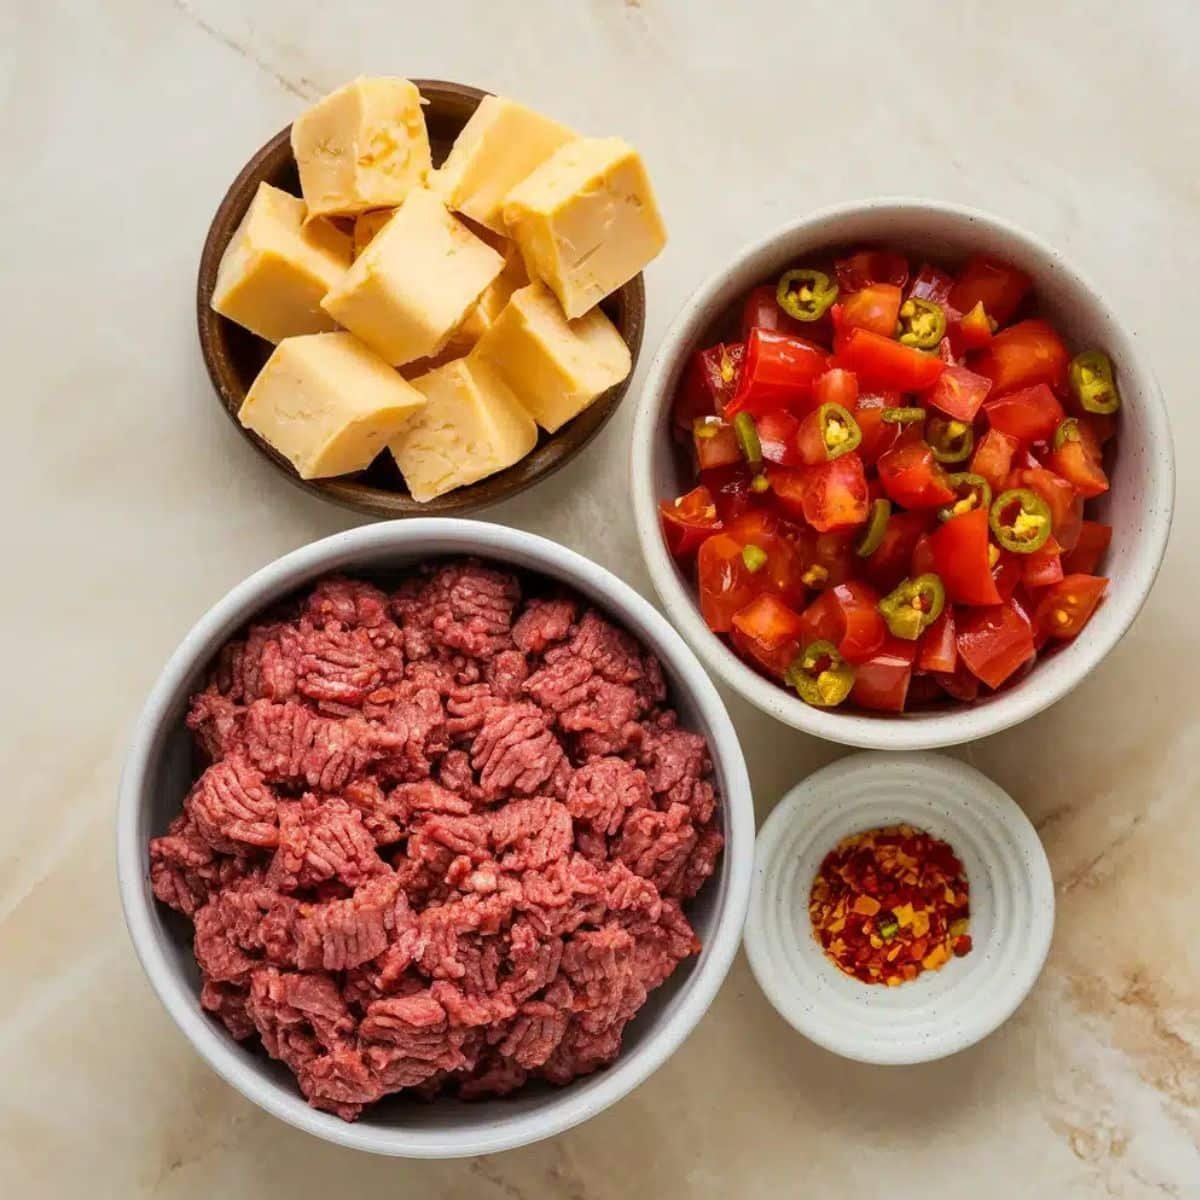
{"x": 456, "y": 536}
{"x": 1012, "y": 844}
{"x": 348, "y": 491}
{"x": 884, "y": 732}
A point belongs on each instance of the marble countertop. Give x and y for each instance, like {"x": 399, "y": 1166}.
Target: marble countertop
{"x": 132, "y": 505}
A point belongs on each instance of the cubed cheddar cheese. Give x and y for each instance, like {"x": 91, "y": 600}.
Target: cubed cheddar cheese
{"x": 276, "y": 269}
{"x": 367, "y": 225}
{"x": 555, "y": 367}
{"x": 364, "y": 146}
{"x": 498, "y": 147}
{"x": 586, "y": 221}
{"x": 471, "y": 427}
{"x": 328, "y": 404}
{"x": 414, "y": 283}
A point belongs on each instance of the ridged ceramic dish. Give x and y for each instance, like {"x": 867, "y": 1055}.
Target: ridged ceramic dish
{"x": 1139, "y": 506}
{"x": 1011, "y": 897}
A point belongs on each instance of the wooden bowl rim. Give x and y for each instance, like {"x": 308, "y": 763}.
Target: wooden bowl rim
{"x": 552, "y": 453}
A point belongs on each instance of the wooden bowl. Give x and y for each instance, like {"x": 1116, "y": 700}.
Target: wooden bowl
{"x": 234, "y": 355}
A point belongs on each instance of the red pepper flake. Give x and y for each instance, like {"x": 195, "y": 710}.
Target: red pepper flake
{"x": 890, "y": 903}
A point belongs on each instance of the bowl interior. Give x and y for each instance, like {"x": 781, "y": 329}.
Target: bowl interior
{"x": 1138, "y": 505}
{"x": 446, "y": 1126}
{"x": 234, "y": 355}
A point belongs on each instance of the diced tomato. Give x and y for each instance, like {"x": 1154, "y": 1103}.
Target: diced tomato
{"x": 688, "y": 520}
{"x": 782, "y": 571}
{"x": 730, "y": 489}
{"x": 892, "y": 558}
{"x": 971, "y": 331}
{"x": 768, "y": 631}
{"x": 778, "y": 371}
{"x": 922, "y": 558}
{"x": 1078, "y": 462}
{"x": 999, "y": 286}
{"x": 960, "y": 558}
{"x": 1089, "y": 549}
{"x": 865, "y": 267}
{"x": 1025, "y": 354}
{"x": 994, "y": 641}
{"x": 1042, "y": 567}
{"x": 835, "y": 494}
{"x": 761, "y": 311}
{"x": 931, "y": 283}
{"x": 1006, "y": 574}
{"x": 847, "y": 615}
{"x": 708, "y": 383}
{"x": 876, "y": 307}
{"x": 726, "y": 583}
{"x": 788, "y": 486}
{"x": 959, "y": 393}
{"x": 881, "y": 683}
{"x": 1066, "y": 608}
{"x": 960, "y": 685}
{"x": 878, "y": 435}
{"x": 826, "y": 559}
{"x": 777, "y": 435}
{"x": 993, "y": 458}
{"x": 937, "y": 649}
{"x": 882, "y": 362}
{"x": 716, "y": 445}
{"x": 1066, "y": 505}
{"x": 1101, "y": 426}
{"x": 912, "y": 477}
{"x": 1030, "y": 415}
{"x": 836, "y": 387}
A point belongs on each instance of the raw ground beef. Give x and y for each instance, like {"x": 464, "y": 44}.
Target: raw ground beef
{"x": 443, "y": 839}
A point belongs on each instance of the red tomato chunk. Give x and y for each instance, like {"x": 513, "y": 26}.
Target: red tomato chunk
{"x": 826, "y": 495}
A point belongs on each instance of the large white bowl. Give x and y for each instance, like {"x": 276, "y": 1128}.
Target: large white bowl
{"x": 1139, "y": 505}
{"x": 158, "y": 772}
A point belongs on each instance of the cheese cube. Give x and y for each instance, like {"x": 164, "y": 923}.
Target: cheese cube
{"x": 367, "y": 225}
{"x": 497, "y": 148}
{"x": 276, "y": 269}
{"x": 328, "y": 404}
{"x": 586, "y": 221}
{"x": 415, "y": 282}
{"x": 472, "y": 427}
{"x": 363, "y": 146}
{"x": 555, "y": 367}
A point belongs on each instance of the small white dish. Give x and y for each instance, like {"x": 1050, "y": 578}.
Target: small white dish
{"x": 1011, "y": 898}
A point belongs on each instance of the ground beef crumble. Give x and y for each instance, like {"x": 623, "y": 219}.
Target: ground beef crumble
{"x": 444, "y": 837}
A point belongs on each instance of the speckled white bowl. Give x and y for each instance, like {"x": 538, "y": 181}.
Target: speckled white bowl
{"x": 159, "y": 769}
{"x": 1012, "y": 908}
{"x": 1139, "y": 506}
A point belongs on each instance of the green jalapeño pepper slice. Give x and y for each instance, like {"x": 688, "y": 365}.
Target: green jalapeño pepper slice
{"x": 970, "y": 491}
{"x": 1068, "y": 431}
{"x": 1091, "y": 376}
{"x": 747, "y": 437}
{"x": 908, "y": 415}
{"x": 839, "y": 430}
{"x": 913, "y": 606}
{"x": 821, "y": 676}
{"x": 872, "y": 535}
{"x": 1020, "y": 520}
{"x": 922, "y": 323}
{"x": 951, "y": 441}
{"x": 806, "y": 294}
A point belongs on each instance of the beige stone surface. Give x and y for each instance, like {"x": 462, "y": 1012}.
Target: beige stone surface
{"x": 131, "y": 504}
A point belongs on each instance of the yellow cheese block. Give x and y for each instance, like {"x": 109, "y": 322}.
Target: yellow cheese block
{"x": 472, "y": 427}
{"x": 276, "y": 269}
{"x": 555, "y": 367}
{"x": 586, "y": 221}
{"x": 414, "y": 283}
{"x": 328, "y": 404}
{"x": 367, "y": 225}
{"x": 497, "y": 148}
{"x": 364, "y": 146}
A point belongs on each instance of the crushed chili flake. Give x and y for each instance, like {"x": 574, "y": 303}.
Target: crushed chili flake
{"x": 890, "y": 903}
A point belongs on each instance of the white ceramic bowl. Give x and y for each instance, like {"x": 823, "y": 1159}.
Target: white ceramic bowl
{"x": 1011, "y": 898}
{"x": 158, "y": 772}
{"x": 1139, "y": 505}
